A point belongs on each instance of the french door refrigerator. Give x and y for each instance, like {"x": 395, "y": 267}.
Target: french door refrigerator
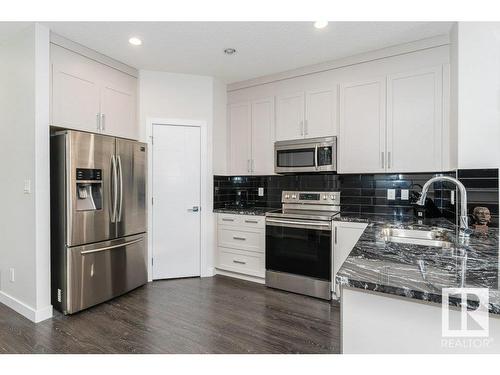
{"x": 98, "y": 218}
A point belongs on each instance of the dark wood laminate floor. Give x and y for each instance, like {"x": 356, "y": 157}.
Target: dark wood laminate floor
{"x": 209, "y": 315}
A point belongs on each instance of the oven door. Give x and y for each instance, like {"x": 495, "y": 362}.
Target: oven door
{"x": 299, "y": 247}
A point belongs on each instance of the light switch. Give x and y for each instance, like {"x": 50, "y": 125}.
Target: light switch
{"x": 391, "y": 194}
{"x": 404, "y": 194}
{"x": 27, "y": 186}
{"x": 261, "y": 192}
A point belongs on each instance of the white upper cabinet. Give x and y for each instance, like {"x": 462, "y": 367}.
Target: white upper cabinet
{"x": 402, "y": 134}
{"x": 362, "y": 127}
{"x": 263, "y": 137}
{"x": 415, "y": 121}
{"x": 90, "y": 96}
{"x": 240, "y": 133}
{"x": 75, "y": 91}
{"x": 306, "y": 114}
{"x": 321, "y": 113}
{"x": 118, "y": 105}
{"x": 251, "y": 128}
{"x": 290, "y": 116}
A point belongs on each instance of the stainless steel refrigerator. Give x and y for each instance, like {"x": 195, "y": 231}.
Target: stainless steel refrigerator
{"x": 98, "y": 218}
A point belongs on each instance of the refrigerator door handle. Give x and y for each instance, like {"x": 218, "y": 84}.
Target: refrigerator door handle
{"x": 111, "y": 247}
{"x": 114, "y": 188}
{"x": 120, "y": 178}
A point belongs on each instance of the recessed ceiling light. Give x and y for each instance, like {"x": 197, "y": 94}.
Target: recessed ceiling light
{"x": 230, "y": 51}
{"x": 135, "y": 41}
{"x": 320, "y": 24}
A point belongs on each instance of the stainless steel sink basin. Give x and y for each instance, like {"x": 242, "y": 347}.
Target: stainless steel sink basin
{"x": 433, "y": 237}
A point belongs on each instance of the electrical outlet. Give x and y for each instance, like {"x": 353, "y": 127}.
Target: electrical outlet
{"x": 12, "y": 275}
{"x": 261, "y": 192}
{"x": 452, "y": 197}
{"x": 391, "y": 194}
{"x": 404, "y": 194}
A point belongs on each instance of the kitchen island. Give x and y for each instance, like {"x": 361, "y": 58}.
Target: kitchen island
{"x": 392, "y": 292}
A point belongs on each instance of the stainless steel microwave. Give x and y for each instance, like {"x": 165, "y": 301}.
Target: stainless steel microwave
{"x": 306, "y": 155}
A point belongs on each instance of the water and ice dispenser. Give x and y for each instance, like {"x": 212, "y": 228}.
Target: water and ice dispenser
{"x": 88, "y": 189}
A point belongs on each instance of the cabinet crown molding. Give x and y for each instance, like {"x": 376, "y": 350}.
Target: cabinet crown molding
{"x": 93, "y": 55}
{"x": 400, "y": 49}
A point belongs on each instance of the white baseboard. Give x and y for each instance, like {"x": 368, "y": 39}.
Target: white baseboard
{"x": 255, "y": 279}
{"x": 25, "y": 310}
{"x": 208, "y": 272}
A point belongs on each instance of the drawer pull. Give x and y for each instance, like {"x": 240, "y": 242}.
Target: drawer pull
{"x": 251, "y": 221}
{"x": 227, "y": 219}
{"x": 239, "y": 262}
{"x": 239, "y": 238}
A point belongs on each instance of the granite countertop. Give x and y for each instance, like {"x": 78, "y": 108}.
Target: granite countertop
{"x": 417, "y": 271}
{"x": 259, "y": 211}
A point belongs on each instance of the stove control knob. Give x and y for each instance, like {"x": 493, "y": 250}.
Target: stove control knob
{"x": 324, "y": 197}
{"x": 287, "y": 196}
{"x": 294, "y": 196}
{"x": 332, "y": 196}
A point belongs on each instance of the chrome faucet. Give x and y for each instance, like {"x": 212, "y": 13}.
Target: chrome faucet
{"x": 464, "y": 226}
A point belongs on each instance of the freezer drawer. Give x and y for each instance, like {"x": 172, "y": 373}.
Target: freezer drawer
{"x": 99, "y": 272}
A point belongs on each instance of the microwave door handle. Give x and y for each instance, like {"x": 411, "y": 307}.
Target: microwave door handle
{"x": 316, "y": 157}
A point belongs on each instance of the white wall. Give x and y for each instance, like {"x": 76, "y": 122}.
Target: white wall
{"x": 191, "y": 97}
{"x": 24, "y": 227}
{"x": 220, "y": 128}
{"x": 476, "y": 56}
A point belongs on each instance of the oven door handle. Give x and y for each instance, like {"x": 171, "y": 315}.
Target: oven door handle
{"x": 299, "y": 224}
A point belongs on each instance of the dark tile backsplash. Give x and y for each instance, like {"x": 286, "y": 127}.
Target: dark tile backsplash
{"x": 362, "y": 193}
{"x": 482, "y": 190}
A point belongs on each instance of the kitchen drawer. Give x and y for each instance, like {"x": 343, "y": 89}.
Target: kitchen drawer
{"x": 249, "y": 221}
{"x": 241, "y": 239}
{"x": 244, "y": 262}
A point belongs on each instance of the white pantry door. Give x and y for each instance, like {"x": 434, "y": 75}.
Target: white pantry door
{"x": 176, "y": 201}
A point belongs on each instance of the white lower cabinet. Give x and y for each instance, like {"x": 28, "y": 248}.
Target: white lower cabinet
{"x": 241, "y": 246}
{"x": 345, "y": 236}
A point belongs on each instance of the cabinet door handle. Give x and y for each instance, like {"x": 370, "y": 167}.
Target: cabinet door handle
{"x": 383, "y": 163}
{"x": 226, "y": 219}
{"x": 98, "y": 121}
{"x": 301, "y": 124}
{"x": 239, "y": 238}
{"x": 388, "y": 159}
{"x": 251, "y": 221}
{"x": 335, "y": 235}
{"x": 248, "y": 165}
{"x": 306, "y": 130}
{"x": 252, "y": 168}
{"x": 103, "y": 122}
{"x": 239, "y": 262}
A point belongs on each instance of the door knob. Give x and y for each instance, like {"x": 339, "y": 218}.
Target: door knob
{"x": 194, "y": 209}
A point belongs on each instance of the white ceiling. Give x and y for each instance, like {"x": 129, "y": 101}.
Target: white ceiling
{"x": 262, "y": 47}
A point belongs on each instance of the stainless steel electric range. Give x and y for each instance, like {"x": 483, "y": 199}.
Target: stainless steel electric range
{"x": 299, "y": 243}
